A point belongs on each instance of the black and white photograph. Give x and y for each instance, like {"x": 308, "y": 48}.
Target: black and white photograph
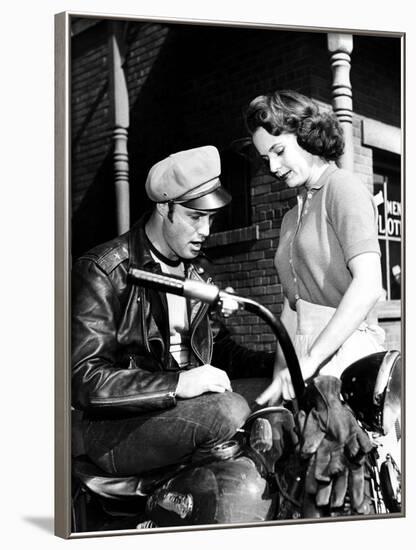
{"x": 234, "y": 208}
{"x": 185, "y": 363}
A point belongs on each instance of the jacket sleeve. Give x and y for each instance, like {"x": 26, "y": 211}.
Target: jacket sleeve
{"x": 101, "y": 376}
{"x": 239, "y": 361}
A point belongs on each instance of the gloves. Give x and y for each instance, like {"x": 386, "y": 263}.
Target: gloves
{"x": 272, "y": 433}
{"x": 336, "y": 446}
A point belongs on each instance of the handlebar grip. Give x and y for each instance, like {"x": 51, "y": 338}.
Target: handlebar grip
{"x": 164, "y": 283}
{"x": 189, "y": 288}
{"x": 198, "y": 290}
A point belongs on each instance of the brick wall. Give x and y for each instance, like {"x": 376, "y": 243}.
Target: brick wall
{"x": 188, "y": 86}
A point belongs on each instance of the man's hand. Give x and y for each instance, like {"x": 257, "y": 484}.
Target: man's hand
{"x": 201, "y": 380}
{"x": 228, "y": 305}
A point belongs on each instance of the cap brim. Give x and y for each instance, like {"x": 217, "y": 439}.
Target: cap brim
{"x": 211, "y": 201}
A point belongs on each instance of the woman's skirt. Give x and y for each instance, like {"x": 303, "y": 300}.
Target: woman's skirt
{"x": 312, "y": 319}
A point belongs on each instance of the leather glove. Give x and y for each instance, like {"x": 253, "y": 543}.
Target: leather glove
{"x": 336, "y": 446}
{"x": 272, "y": 433}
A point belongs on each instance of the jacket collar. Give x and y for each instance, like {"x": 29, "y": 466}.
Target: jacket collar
{"x": 139, "y": 250}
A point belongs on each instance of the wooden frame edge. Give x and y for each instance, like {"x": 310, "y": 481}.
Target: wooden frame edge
{"x": 62, "y": 503}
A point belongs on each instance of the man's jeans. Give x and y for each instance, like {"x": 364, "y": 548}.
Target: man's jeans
{"x": 188, "y": 431}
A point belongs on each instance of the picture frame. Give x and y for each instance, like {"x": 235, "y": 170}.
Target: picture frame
{"x": 374, "y": 134}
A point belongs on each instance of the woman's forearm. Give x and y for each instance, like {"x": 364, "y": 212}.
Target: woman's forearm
{"x": 361, "y": 296}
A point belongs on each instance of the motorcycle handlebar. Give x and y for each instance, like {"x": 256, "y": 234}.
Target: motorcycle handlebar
{"x": 189, "y": 288}
{"x": 211, "y": 294}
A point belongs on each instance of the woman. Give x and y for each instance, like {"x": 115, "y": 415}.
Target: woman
{"x": 328, "y": 258}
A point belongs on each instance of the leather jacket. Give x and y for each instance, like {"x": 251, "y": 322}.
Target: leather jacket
{"x": 120, "y": 333}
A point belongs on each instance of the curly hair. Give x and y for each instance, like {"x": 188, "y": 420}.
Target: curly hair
{"x": 287, "y": 111}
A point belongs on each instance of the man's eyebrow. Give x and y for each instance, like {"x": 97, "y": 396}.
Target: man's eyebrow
{"x": 199, "y": 212}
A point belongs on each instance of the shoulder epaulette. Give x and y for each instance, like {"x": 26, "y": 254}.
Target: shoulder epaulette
{"x": 113, "y": 258}
{"x": 108, "y": 257}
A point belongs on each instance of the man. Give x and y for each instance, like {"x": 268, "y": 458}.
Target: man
{"x": 150, "y": 373}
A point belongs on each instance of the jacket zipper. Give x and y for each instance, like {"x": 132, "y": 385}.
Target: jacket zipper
{"x": 134, "y": 399}
{"x": 201, "y": 312}
{"x": 198, "y": 318}
{"x": 144, "y": 329}
{"x": 143, "y": 314}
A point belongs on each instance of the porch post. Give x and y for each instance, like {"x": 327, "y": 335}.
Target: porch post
{"x": 119, "y": 112}
{"x": 340, "y": 46}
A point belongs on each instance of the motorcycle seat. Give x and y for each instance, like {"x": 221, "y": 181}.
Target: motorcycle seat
{"x": 119, "y": 487}
{"x": 112, "y": 486}
{"x": 103, "y": 484}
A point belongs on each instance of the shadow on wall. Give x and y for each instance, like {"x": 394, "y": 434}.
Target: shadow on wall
{"x": 94, "y": 221}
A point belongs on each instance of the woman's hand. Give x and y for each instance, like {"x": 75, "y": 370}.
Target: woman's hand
{"x": 282, "y": 387}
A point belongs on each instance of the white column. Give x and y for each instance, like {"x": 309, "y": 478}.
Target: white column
{"x": 340, "y": 46}
{"x": 119, "y": 112}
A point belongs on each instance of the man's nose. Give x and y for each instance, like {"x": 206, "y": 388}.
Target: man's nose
{"x": 204, "y": 226}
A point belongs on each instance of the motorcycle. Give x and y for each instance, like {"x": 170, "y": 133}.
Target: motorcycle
{"x": 254, "y": 477}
